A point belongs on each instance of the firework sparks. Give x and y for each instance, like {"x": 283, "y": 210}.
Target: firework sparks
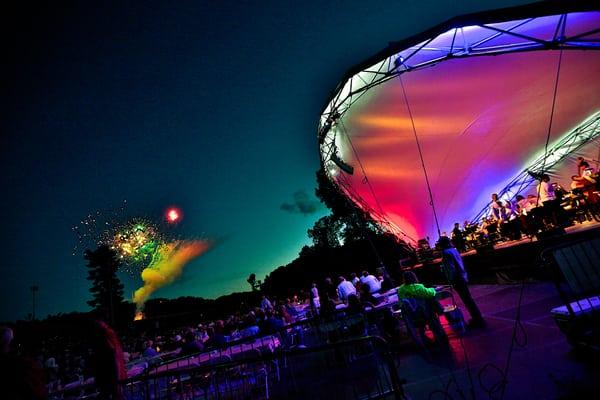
{"x": 136, "y": 242}
{"x": 93, "y": 230}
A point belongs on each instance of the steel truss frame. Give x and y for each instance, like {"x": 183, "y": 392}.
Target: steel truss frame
{"x": 470, "y": 36}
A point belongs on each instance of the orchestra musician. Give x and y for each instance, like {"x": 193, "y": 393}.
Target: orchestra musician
{"x": 497, "y": 207}
{"x": 585, "y": 181}
{"x": 581, "y": 165}
{"x": 458, "y": 238}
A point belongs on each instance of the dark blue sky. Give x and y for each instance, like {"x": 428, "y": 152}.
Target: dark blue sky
{"x": 212, "y": 106}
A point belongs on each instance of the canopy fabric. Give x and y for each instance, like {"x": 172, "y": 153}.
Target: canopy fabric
{"x": 479, "y": 121}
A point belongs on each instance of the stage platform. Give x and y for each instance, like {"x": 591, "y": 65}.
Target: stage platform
{"x": 544, "y": 366}
{"x": 510, "y": 261}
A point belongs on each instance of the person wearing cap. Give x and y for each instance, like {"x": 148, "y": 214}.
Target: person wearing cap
{"x": 454, "y": 269}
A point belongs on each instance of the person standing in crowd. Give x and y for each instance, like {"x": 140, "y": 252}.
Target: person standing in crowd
{"x": 372, "y": 282}
{"x": 345, "y": 289}
{"x": 454, "y": 269}
{"x": 314, "y": 299}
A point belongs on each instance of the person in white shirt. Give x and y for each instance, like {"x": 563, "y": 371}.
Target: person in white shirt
{"x": 546, "y": 190}
{"x": 314, "y": 298}
{"x": 497, "y": 207}
{"x": 345, "y": 289}
{"x": 372, "y": 282}
{"x": 548, "y": 199}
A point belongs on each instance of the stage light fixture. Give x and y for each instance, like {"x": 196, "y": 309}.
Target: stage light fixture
{"x": 347, "y": 168}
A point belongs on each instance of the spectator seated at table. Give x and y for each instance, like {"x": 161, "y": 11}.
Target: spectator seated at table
{"x": 190, "y": 344}
{"x": 249, "y": 326}
{"x": 345, "y": 289}
{"x": 219, "y": 338}
{"x": 366, "y": 298}
{"x": 370, "y": 280}
{"x": 420, "y": 308}
{"x": 327, "y": 309}
{"x": 285, "y": 315}
{"x": 149, "y": 351}
{"x": 354, "y": 305}
{"x": 290, "y": 309}
{"x": 271, "y": 323}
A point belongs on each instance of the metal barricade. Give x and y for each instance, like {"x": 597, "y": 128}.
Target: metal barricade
{"x": 576, "y": 271}
{"x": 353, "y": 369}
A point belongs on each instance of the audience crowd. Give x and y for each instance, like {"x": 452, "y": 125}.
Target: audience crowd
{"x": 60, "y": 362}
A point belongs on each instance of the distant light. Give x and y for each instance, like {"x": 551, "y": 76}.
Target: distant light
{"x": 173, "y": 215}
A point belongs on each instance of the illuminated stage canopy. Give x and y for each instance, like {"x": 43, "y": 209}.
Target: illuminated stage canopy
{"x": 481, "y": 91}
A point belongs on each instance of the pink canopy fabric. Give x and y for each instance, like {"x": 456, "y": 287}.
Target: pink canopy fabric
{"x": 479, "y": 121}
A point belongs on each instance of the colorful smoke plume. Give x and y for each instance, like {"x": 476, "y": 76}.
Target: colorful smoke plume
{"x": 167, "y": 265}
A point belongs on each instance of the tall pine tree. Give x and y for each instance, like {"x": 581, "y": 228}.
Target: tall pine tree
{"x": 107, "y": 289}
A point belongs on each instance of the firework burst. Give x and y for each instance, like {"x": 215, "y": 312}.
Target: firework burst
{"x": 136, "y": 241}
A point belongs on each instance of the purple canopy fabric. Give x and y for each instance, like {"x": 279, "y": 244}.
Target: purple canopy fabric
{"x": 481, "y": 100}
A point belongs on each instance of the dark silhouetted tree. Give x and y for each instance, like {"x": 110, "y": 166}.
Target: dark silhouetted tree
{"x": 254, "y": 284}
{"x": 326, "y": 232}
{"x": 107, "y": 290}
{"x": 349, "y": 221}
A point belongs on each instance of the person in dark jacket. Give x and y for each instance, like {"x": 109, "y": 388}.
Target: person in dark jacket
{"x": 454, "y": 269}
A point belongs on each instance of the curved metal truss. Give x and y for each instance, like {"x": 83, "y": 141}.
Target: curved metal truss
{"x": 557, "y": 26}
{"x": 587, "y": 131}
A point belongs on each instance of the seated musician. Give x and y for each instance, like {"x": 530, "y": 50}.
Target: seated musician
{"x": 577, "y": 182}
{"x": 581, "y": 165}
{"x": 524, "y": 205}
{"x": 585, "y": 182}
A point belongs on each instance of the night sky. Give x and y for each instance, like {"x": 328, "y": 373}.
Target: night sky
{"x": 210, "y": 106}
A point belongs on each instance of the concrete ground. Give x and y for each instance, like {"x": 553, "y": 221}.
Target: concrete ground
{"x": 543, "y": 365}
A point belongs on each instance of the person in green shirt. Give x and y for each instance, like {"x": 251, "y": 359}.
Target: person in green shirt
{"x": 411, "y": 288}
{"x": 420, "y": 308}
